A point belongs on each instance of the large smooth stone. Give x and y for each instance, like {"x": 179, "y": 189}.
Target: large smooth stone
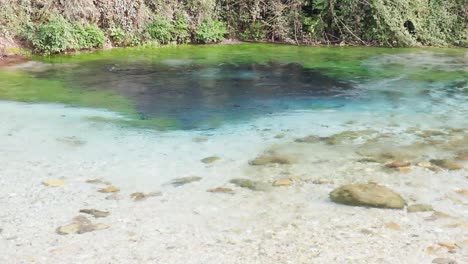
{"x": 371, "y": 195}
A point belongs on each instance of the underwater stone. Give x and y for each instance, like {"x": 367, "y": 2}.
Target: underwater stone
{"x": 94, "y": 212}
{"x": 54, "y": 183}
{"x": 109, "y": 189}
{"x": 419, "y": 208}
{"x": 397, "y": 164}
{"x": 221, "y": 190}
{"x": 446, "y": 164}
{"x": 443, "y": 261}
{"x": 371, "y": 195}
{"x": 283, "y": 182}
{"x": 80, "y": 225}
{"x": 272, "y": 158}
{"x": 185, "y": 180}
{"x": 210, "y": 159}
{"x": 249, "y": 184}
{"x": 139, "y": 196}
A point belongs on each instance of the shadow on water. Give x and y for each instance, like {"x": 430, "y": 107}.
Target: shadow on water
{"x": 199, "y": 96}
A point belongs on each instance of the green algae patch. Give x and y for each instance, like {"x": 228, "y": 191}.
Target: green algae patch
{"x": 338, "y": 62}
{"x": 22, "y": 87}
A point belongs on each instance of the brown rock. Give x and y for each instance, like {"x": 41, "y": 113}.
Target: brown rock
{"x": 80, "y": 225}
{"x": 283, "y": 182}
{"x": 185, "y": 180}
{"x": 139, "y": 196}
{"x": 221, "y": 190}
{"x": 211, "y": 159}
{"x": 443, "y": 261}
{"x": 371, "y": 195}
{"x": 94, "y": 212}
{"x": 393, "y": 226}
{"x": 419, "y": 208}
{"x": 446, "y": 164}
{"x": 397, "y": 164}
{"x": 54, "y": 183}
{"x": 272, "y": 158}
{"x": 109, "y": 189}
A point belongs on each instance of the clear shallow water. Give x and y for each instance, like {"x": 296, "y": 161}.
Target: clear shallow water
{"x": 336, "y": 115}
{"x": 205, "y": 87}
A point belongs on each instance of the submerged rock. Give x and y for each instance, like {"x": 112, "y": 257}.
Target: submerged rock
{"x": 54, "y": 183}
{"x": 429, "y": 166}
{"x": 420, "y": 208}
{"x": 184, "y": 180}
{"x": 431, "y": 133}
{"x": 249, "y": 184}
{"x": 139, "y": 196}
{"x": 210, "y": 159}
{"x": 446, "y": 164}
{"x": 397, "y": 164}
{"x": 462, "y": 157}
{"x": 80, "y": 225}
{"x": 393, "y": 226}
{"x": 72, "y": 141}
{"x": 221, "y": 190}
{"x": 94, "y": 212}
{"x": 283, "y": 182}
{"x": 371, "y": 195}
{"x": 97, "y": 181}
{"x": 443, "y": 261}
{"x": 272, "y": 158}
{"x": 109, "y": 189}
{"x": 199, "y": 139}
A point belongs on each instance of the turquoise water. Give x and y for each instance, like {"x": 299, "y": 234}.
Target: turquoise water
{"x": 205, "y": 87}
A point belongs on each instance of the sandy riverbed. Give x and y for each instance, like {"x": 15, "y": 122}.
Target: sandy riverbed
{"x": 187, "y": 224}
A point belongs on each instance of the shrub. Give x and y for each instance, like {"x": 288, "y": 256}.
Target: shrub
{"x": 117, "y": 35}
{"x": 89, "y": 36}
{"x": 54, "y": 36}
{"x": 211, "y": 31}
{"x": 180, "y": 30}
{"x": 256, "y": 32}
{"x": 161, "y": 30}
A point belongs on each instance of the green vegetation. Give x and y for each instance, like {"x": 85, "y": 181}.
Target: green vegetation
{"x": 58, "y": 35}
{"x": 211, "y": 31}
{"x": 55, "y": 26}
{"x": 161, "y": 30}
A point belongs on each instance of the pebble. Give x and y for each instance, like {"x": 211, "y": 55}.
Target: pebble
{"x": 221, "y": 190}
{"x": 94, "y": 212}
{"x": 139, "y": 196}
{"x": 419, "y": 208}
{"x": 109, "y": 189}
{"x": 443, "y": 261}
{"x": 210, "y": 159}
{"x": 185, "y": 180}
{"x": 393, "y": 226}
{"x": 283, "y": 182}
{"x": 371, "y": 195}
{"x": 397, "y": 164}
{"x": 54, "y": 183}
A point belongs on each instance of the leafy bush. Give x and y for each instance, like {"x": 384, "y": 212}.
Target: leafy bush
{"x": 161, "y": 30}
{"x": 89, "y": 36}
{"x": 211, "y": 31}
{"x": 117, "y": 35}
{"x": 180, "y": 31}
{"x": 54, "y": 36}
{"x": 255, "y": 31}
